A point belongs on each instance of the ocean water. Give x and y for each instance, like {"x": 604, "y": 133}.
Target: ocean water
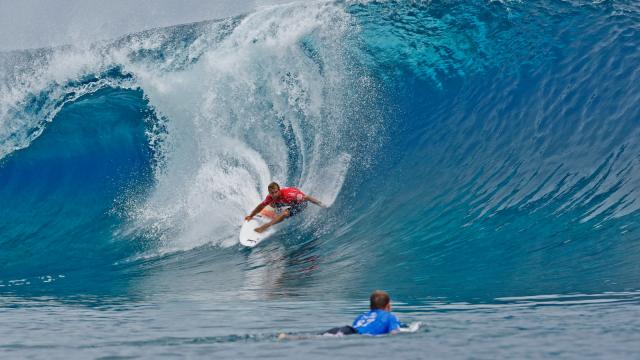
{"x": 481, "y": 161}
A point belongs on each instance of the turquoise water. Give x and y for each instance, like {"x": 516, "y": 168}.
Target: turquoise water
{"x": 480, "y": 160}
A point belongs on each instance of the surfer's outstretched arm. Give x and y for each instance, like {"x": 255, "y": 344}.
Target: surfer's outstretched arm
{"x": 254, "y": 212}
{"x": 314, "y": 200}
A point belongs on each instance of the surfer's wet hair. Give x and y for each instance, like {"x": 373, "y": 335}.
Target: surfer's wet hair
{"x": 379, "y": 300}
{"x": 273, "y": 185}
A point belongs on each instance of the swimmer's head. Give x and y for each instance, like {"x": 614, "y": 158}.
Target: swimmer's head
{"x": 380, "y": 300}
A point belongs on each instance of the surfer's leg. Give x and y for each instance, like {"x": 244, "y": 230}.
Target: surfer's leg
{"x": 344, "y": 330}
{"x": 277, "y": 219}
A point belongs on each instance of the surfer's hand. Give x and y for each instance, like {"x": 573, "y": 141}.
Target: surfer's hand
{"x": 248, "y": 218}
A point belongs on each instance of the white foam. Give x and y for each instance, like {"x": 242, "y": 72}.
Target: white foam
{"x": 227, "y": 114}
{"x": 235, "y": 111}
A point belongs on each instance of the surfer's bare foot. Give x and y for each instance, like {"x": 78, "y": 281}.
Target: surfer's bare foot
{"x": 260, "y": 229}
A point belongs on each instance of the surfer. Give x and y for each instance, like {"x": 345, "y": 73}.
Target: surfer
{"x": 289, "y": 199}
{"x": 377, "y": 321}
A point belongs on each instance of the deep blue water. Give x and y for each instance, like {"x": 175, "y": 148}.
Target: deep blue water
{"x": 481, "y": 160}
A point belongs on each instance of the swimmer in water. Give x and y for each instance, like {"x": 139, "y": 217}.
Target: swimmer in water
{"x": 377, "y": 321}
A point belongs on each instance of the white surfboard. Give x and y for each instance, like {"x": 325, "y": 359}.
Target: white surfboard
{"x": 248, "y": 236}
{"x": 411, "y": 328}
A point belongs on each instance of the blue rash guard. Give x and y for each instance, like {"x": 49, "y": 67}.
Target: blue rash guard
{"x": 376, "y": 322}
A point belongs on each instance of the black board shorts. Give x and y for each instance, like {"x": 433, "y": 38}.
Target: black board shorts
{"x": 344, "y": 330}
{"x": 294, "y": 209}
{"x": 297, "y": 208}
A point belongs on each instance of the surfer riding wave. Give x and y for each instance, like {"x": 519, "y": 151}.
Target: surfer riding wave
{"x": 289, "y": 201}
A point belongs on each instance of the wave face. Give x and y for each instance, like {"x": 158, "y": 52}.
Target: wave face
{"x": 466, "y": 150}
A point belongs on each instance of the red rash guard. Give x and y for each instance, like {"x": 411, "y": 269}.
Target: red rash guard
{"x": 288, "y": 196}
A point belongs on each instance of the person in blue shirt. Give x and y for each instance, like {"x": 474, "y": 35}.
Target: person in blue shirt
{"x": 377, "y": 321}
